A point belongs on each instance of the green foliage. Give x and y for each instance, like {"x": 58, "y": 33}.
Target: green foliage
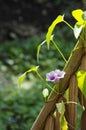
{"x": 61, "y": 110}
{"x": 51, "y": 28}
{"x": 19, "y": 107}
{"x": 17, "y": 55}
{"x": 23, "y": 76}
{"x": 38, "y": 49}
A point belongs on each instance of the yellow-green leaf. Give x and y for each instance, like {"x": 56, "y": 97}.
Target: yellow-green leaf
{"x": 61, "y": 110}
{"x": 81, "y": 77}
{"x": 34, "y": 69}
{"x": 77, "y": 14}
{"x": 38, "y": 49}
{"x": 60, "y": 107}
{"x": 51, "y": 28}
{"x": 65, "y": 126}
{"x": 21, "y": 78}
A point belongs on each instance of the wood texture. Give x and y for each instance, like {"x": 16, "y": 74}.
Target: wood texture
{"x": 50, "y": 123}
{"x": 73, "y": 98}
{"x": 81, "y": 96}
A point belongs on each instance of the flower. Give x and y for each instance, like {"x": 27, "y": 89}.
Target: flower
{"x": 55, "y": 76}
{"x": 80, "y": 16}
{"x": 51, "y": 76}
{"x": 59, "y": 74}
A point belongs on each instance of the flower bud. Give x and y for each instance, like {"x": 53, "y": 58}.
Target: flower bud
{"x": 45, "y": 92}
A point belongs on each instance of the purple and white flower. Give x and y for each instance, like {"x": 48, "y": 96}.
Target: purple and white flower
{"x": 59, "y": 74}
{"x": 51, "y": 76}
{"x": 55, "y": 76}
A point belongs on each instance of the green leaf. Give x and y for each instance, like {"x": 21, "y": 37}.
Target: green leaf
{"x": 81, "y": 77}
{"x": 61, "y": 110}
{"x": 21, "y": 78}
{"x": 38, "y": 49}
{"x": 51, "y": 28}
{"x": 34, "y": 69}
{"x": 77, "y": 30}
{"x": 60, "y": 107}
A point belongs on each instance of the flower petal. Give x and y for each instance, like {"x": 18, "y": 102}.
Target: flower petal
{"x": 51, "y": 76}
{"x": 60, "y": 74}
{"x": 54, "y": 76}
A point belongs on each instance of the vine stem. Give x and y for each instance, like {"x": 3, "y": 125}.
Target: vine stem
{"x": 59, "y": 51}
{"x": 68, "y": 25}
{"x": 39, "y": 75}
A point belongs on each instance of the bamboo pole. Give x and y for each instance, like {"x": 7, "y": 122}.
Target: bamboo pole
{"x": 83, "y": 67}
{"x": 50, "y": 123}
{"x": 57, "y": 121}
{"x": 73, "y": 98}
{"x": 81, "y": 96}
{"x": 70, "y": 68}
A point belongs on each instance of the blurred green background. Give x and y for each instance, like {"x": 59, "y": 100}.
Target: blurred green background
{"x": 20, "y": 106}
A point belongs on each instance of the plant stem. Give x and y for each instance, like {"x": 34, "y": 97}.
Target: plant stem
{"x": 39, "y": 75}
{"x": 68, "y": 25}
{"x": 59, "y": 51}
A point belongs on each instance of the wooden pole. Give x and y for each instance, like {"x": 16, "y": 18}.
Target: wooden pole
{"x": 73, "y": 98}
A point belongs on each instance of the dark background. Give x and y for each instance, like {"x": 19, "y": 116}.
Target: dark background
{"x": 28, "y": 17}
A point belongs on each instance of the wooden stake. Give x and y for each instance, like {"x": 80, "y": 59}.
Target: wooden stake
{"x": 50, "y": 123}
{"x": 81, "y": 96}
{"x": 73, "y": 97}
